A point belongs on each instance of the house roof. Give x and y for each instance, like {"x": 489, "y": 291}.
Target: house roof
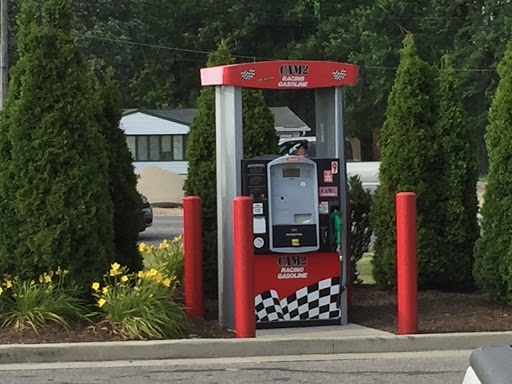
{"x": 284, "y": 118}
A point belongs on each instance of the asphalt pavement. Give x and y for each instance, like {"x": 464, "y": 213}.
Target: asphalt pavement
{"x": 324, "y": 340}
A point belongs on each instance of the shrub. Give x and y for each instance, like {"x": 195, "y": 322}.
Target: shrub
{"x": 458, "y": 200}
{"x": 122, "y": 179}
{"x": 493, "y": 256}
{"x": 259, "y": 138}
{"x": 408, "y": 163}
{"x": 35, "y": 303}
{"x": 54, "y": 199}
{"x": 361, "y": 232}
{"x": 139, "y": 305}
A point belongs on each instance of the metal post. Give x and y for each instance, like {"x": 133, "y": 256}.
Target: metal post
{"x": 339, "y": 152}
{"x": 245, "y": 321}
{"x": 229, "y": 150}
{"x": 193, "y": 256}
{"x": 406, "y": 272}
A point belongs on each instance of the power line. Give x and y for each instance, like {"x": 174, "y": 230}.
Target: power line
{"x": 253, "y": 58}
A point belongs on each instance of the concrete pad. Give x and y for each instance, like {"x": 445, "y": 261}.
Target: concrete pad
{"x": 332, "y": 331}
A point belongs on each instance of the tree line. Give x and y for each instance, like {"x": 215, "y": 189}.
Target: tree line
{"x": 157, "y": 47}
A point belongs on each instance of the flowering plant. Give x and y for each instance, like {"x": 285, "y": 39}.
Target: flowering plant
{"x": 35, "y": 303}
{"x": 139, "y": 305}
{"x": 167, "y": 257}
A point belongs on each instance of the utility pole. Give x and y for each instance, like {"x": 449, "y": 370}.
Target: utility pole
{"x": 4, "y": 34}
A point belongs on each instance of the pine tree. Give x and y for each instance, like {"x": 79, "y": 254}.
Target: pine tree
{"x": 259, "y": 138}
{"x": 457, "y": 155}
{"x": 408, "y": 163}
{"x": 53, "y": 157}
{"x": 493, "y": 258}
{"x": 122, "y": 178}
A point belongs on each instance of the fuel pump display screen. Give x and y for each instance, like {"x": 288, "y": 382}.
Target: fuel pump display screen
{"x": 291, "y": 172}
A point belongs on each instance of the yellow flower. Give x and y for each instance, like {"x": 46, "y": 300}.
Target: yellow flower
{"x": 8, "y": 283}
{"x": 142, "y": 247}
{"x": 105, "y": 290}
{"x": 158, "y": 277}
{"x": 101, "y": 302}
{"x": 140, "y": 275}
{"x": 41, "y": 279}
{"x": 58, "y": 272}
{"x": 1, "y": 291}
{"x": 95, "y": 286}
{"x": 152, "y": 272}
{"x": 47, "y": 279}
{"x": 115, "y": 266}
{"x": 124, "y": 279}
{"x": 177, "y": 239}
{"x": 163, "y": 245}
{"x": 114, "y": 271}
{"x": 167, "y": 282}
{"x": 151, "y": 295}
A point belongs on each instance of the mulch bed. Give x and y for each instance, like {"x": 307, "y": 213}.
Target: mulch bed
{"x": 438, "y": 312}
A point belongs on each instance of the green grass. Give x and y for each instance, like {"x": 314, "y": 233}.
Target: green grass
{"x": 364, "y": 267}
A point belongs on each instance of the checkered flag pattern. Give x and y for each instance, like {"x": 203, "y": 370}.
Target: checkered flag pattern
{"x": 267, "y": 307}
{"x": 316, "y": 301}
{"x": 248, "y": 75}
{"x": 339, "y": 75}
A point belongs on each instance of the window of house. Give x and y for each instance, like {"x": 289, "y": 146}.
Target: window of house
{"x": 157, "y": 147}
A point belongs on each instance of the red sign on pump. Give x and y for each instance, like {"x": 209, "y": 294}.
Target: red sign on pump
{"x": 288, "y": 74}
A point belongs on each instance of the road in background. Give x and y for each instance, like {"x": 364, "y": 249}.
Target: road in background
{"x": 164, "y": 227}
{"x": 447, "y": 367}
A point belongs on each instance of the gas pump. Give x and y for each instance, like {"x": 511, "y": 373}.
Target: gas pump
{"x": 297, "y": 231}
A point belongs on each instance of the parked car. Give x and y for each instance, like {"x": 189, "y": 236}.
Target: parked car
{"x": 146, "y": 214}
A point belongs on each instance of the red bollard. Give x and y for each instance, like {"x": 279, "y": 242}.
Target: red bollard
{"x": 245, "y": 319}
{"x": 406, "y": 273}
{"x": 192, "y": 256}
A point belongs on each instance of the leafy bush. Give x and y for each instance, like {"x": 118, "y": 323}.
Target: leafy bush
{"x": 259, "y": 138}
{"x": 493, "y": 252}
{"x": 408, "y": 163}
{"x": 167, "y": 258}
{"x": 122, "y": 178}
{"x": 139, "y": 305}
{"x": 35, "y": 303}
{"x": 361, "y": 232}
{"x": 54, "y": 197}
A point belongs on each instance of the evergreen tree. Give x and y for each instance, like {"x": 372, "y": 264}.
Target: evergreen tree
{"x": 123, "y": 181}
{"x": 493, "y": 258}
{"x": 457, "y": 155}
{"x": 409, "y": 163}
{"x": 53, "y": 156}
{"x": 259, "y": 138}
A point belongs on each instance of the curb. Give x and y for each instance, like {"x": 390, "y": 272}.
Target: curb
{"x": 218, "y": 348}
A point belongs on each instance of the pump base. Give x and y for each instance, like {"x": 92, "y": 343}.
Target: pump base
{"x": 297, "y": 324}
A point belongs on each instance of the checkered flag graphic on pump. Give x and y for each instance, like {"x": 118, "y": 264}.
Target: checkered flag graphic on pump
{"x": 339, "y": 75}
{"x": 248, "y": 75}
{"x": 316, "y": 301}
{"x": 267, "y": 306}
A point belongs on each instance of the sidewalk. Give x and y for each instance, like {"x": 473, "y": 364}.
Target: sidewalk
{"x": 350, "y": 338}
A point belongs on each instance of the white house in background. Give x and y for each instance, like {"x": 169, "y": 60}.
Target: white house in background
{"x": 158, "y": 137}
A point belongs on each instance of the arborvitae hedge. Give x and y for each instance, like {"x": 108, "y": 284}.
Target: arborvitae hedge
{"x": 493, "y": 258}
{"x": 408, "y": 163}
{"x": 54, "y": 175}
{"x": 457, "y": 155}
{"x": 122, "y": 178}
{"x": 259, "y": 138}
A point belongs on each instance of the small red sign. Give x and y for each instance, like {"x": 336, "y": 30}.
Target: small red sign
{"x": 327, "y": 191}
{"x": 328, "y": 176}
{"x": 334, "y": 167}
